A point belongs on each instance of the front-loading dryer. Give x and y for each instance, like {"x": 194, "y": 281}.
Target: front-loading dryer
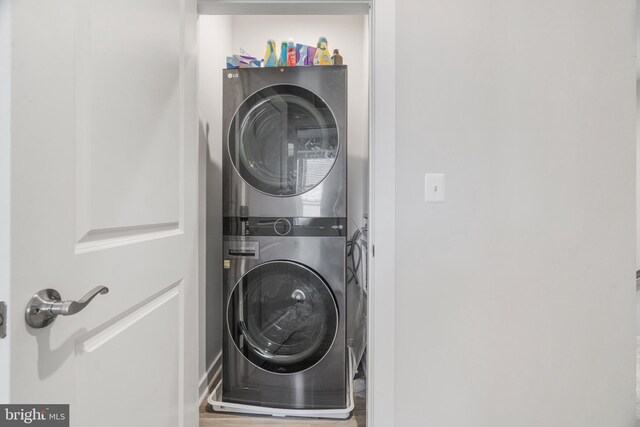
{"x": 285, "y": 142}
{"x": 284, "y": 339}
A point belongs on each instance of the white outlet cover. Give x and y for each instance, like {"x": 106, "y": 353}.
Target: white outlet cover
{"x": 434, "y": 187}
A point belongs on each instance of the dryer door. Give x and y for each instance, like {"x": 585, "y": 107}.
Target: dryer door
{"x": 283, "y": 317}
{"x": 283, "y": 140}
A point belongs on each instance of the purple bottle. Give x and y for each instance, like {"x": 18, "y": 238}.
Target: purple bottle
{"x": 311, "y": 53}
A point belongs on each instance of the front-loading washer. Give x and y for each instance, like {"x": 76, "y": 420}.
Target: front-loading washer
{"x": 284, "y": 339}
{"x": 285, "y": 142}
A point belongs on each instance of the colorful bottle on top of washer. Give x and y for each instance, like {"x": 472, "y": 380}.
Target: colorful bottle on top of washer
{"x": 311, "y": 54}
{"x": 270, "y": 56}
{"x": 323, "y": 56}
{"x": 336, "y": 58}
{"x": 301, "y": 53}
{"x": 282, "y": 60}
{"x": 291, "y": 53}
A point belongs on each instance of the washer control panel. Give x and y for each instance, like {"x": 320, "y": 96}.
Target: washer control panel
{"x": 285, "y": 226}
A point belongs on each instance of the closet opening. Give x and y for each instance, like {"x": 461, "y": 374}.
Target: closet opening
{"x": 284, "y": 199}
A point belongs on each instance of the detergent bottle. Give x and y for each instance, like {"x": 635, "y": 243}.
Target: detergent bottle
{"x": 336, "y": 58}
{"x": 291, "y": 53}
{"x": 322, "y": 57}
{"x": 270, "y": 56}
{"x": 282, "y": 62}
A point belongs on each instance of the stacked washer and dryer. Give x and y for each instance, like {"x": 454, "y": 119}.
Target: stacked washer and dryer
{"x": 285, "y": 228}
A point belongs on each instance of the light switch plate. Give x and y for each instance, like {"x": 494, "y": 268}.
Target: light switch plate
{"x": 434, "y": 187}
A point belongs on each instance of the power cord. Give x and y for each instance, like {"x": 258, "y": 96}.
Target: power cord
{"x": 355, "y": 266}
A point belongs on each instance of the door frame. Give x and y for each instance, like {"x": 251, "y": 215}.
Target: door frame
{"x": 5, "y": 183}
{"x": 381, "y": 308}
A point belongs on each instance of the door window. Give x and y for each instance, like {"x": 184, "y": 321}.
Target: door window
{"x": 283, "y": 140}
{"x": 282, "y": 317}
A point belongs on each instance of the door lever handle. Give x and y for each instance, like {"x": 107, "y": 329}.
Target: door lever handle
{"x": 46, "y": 305}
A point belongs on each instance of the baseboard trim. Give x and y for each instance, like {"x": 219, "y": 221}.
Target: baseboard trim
{"x": 210, "y": 375}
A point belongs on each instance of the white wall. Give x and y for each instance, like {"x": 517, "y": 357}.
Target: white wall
{"x": 515, "y": 297}
{"x": 214, "y": 36}
{"x": 346, "y": 33}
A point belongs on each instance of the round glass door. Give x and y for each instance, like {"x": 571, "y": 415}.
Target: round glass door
{"x": 283, "y": 140}
{"x": 282, "y": 317}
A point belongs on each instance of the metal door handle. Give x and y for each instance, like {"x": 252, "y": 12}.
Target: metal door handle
{"x": 46, "y": 305}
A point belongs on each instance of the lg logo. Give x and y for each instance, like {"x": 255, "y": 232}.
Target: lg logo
{"x": 232, "y": 75}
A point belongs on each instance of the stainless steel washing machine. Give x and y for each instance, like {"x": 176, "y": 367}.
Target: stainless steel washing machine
{"x": 284, "y": 340}
{"x": 285, "y": 142}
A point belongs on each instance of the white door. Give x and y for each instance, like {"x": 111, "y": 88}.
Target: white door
{"x": 101, "y": 190}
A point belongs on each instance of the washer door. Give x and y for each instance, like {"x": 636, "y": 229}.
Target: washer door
{"x": 283, "y": 140}
{"x": 282, "y": 317}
